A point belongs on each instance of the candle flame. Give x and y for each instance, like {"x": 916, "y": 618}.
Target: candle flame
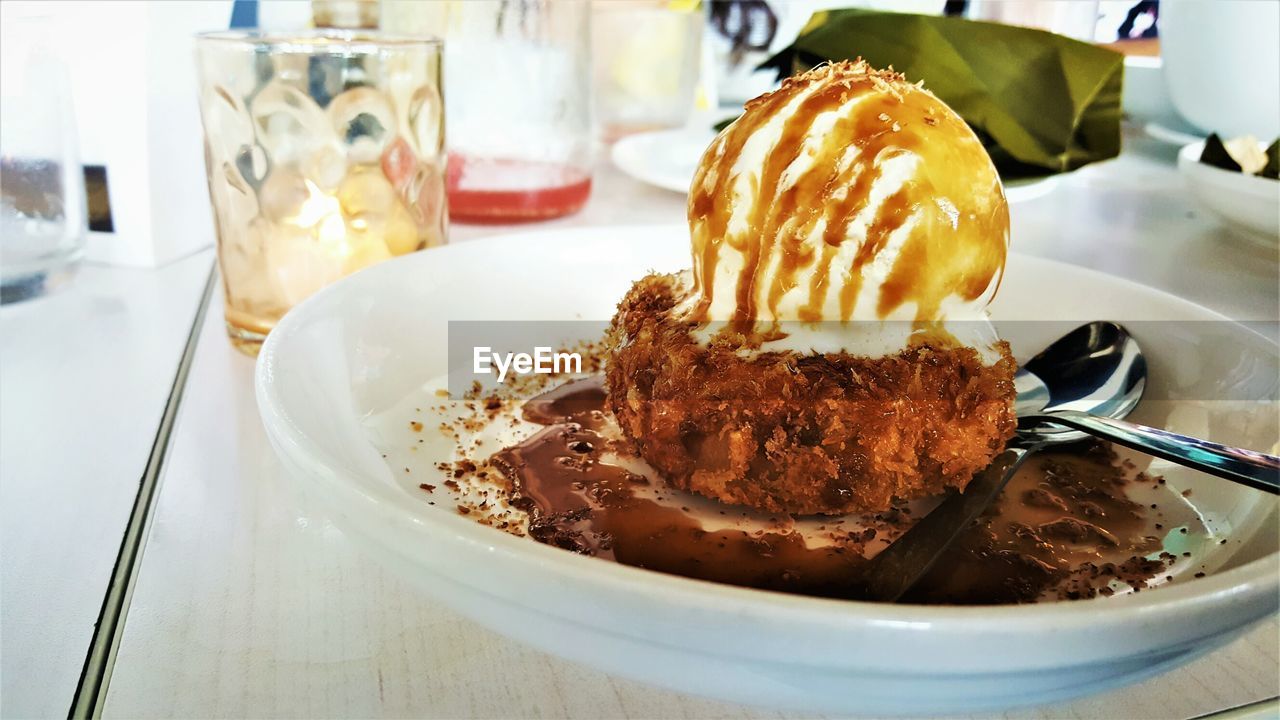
{"x": 317, "y": 207}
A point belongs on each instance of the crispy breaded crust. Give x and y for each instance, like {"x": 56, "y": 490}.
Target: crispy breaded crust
{"x": 781, "y": 431}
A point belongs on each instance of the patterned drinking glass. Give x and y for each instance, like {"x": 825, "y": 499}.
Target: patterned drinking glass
{"x": 325, "y": 154}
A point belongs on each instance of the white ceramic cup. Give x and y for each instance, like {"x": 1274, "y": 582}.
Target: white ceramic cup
{"x": 1222, "y": 64}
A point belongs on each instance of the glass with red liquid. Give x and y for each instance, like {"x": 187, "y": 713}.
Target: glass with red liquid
{"x": 517, "y": 76}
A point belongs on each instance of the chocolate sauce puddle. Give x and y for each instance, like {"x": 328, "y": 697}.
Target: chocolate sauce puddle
{"x": 579, "y": 502}
{"x": 1064, "y": 522}
{"x": 577, "y": 401}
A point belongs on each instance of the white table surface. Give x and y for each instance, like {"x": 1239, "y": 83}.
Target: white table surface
{"x": 85, "y": 373}
{"x": 248, "y": 603}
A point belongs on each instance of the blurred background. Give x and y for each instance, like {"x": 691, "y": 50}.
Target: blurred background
{"x": 532, "y": 96}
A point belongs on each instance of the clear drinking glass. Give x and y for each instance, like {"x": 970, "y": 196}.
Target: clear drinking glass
{"x": 42, "y": 200}
{"x": 517, "y": 74}
{"x": 325, "y": 154}
{"x": 646, "y": 59}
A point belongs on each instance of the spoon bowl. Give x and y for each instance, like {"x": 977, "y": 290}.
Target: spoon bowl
{"x": 1098, "y": 369}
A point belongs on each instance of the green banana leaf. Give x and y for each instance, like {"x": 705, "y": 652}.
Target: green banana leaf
{"x": 1041, "y": 103}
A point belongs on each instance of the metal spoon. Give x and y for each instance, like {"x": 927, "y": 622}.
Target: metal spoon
{"x": 1088, "y": 380}
{"x": 1092, "y": 377}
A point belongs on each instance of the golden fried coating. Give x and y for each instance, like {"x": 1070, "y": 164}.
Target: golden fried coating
{"x": 781, "y": 431}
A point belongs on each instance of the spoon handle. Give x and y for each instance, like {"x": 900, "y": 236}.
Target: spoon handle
{"x": 1247, "y": 467}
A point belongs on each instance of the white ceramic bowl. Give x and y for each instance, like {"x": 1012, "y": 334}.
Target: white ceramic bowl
{"x": 362, "y": 345}
{"x": 1247, "y": 202}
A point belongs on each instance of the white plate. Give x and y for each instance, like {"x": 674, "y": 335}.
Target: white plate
{"x": 665, "y": 158}
{"x": 365, "y": 344}
{"x": 1247, "y": 202}
{"x": 669, "y": 158}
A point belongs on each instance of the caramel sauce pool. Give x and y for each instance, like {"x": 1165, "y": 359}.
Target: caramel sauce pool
{"x": 1063, "y": 522}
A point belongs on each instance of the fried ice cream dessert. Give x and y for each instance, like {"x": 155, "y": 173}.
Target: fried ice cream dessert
{"x": 830, "y": 349}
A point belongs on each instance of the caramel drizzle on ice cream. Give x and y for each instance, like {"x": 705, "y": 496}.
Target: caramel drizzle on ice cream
{"x": 801, "y": 218}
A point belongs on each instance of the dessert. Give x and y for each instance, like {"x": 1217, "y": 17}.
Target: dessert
{"x": 829, "y": 351}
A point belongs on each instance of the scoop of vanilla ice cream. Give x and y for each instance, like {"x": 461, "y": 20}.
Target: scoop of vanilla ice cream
{"x": 848, "y": 194}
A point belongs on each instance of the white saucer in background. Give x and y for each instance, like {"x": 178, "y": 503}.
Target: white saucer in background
{"x": 1173, "y": 135}
{"x": 665, "y": 158}
{"x": 669, "y": 158}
